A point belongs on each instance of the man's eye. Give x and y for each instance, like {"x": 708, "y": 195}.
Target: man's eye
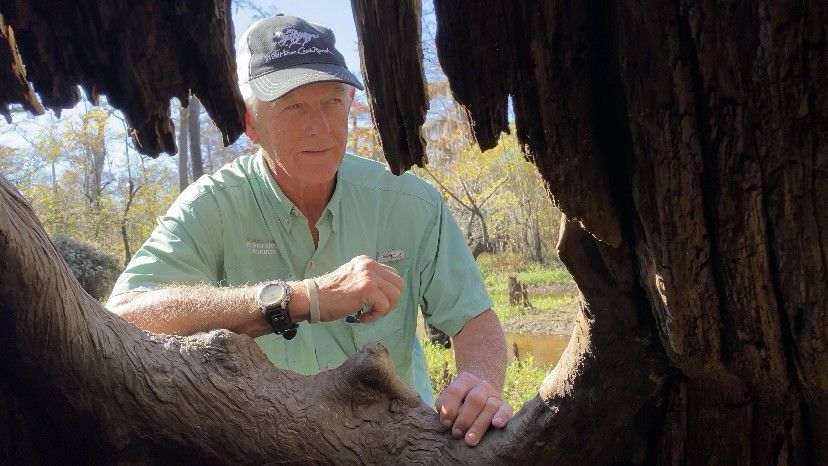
{"x": 293, "y": 107}
{"x": 335, "y": 101}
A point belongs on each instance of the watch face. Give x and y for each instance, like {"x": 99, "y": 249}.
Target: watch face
{"x": 271, "y": 294}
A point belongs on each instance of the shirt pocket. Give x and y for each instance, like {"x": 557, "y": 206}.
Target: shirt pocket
{"x": 387, "y": 329}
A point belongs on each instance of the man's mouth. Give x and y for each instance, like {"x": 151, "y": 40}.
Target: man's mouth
{"x": 316, "y": 151}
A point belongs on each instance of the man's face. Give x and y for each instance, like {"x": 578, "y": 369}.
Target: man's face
{"x": 304, "y": 131}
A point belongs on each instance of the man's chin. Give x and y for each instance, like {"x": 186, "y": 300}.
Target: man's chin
{"x": 322, "y": 172}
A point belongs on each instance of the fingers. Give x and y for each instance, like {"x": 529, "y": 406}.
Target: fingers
{"x": 492, "y": 407}
{"x": 470, "y": 406}
{"x": 390, "y": 274}
{"x": 473, "y": 407}
{"x": 383, "y": 301}
{"x": 501, "y": 418}
{"x": 448, "y": 405}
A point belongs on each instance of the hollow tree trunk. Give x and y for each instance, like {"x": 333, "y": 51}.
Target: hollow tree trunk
{"x": 692, "y": 134}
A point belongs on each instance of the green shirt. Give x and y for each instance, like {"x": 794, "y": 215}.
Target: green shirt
{"x": 236, "y": 227}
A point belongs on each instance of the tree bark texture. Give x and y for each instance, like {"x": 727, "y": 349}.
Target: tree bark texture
{"x": 405, "y": 95}
{"x": 139, "y": 54}
{"x": 684, "y": 142}
{"x": 692, "y": 135}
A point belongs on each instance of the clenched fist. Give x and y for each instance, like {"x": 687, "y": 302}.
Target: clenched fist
{"x": 360, "y": 282}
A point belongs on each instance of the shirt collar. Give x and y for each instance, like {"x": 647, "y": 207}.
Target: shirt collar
{"x": 286, "y": 210}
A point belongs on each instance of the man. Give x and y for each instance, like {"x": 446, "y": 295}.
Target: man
{"x": 314, "y": 252}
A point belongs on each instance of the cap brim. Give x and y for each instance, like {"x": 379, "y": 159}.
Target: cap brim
{"x": 278, "y": 83}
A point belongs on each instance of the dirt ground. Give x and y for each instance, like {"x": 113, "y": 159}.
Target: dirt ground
{"x": 546, "y": 323}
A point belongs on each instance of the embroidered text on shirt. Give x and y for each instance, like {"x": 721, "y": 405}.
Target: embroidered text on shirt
{"x": 391, "y": 256}
{"x": 257, "y": 246}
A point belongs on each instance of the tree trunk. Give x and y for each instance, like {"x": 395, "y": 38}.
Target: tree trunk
{"x": 194, "y": 120}
{"x": 183, "y": 147}
{"x": 688, "y": 134}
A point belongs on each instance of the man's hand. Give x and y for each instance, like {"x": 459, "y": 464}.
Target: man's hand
{"x": 360, "y": 282}
{"x": 469, "y": 406}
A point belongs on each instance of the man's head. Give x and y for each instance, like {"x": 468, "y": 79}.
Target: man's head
{"x": 279, "y": 54}
{"x": 298, "y": 92}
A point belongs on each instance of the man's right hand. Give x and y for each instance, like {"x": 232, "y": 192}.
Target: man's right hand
{"x": 360, "y": 282}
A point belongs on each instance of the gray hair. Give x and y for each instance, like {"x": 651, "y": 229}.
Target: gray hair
{"x": 250, "y": 100}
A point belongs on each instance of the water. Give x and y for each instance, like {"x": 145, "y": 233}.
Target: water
{"x": 545, "y": 349}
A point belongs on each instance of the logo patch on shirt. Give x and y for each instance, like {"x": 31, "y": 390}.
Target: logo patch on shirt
{"x": 257, "y": 246}
{"x": 391, "y": 256}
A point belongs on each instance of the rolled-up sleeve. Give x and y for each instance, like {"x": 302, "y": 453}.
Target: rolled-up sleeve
{"x": 452, "y": 289}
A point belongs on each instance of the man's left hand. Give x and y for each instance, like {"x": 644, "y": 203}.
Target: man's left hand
{"x": 470, "y": 405}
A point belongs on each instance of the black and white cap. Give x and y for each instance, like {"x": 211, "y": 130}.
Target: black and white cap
{"x": 276, "y": 55}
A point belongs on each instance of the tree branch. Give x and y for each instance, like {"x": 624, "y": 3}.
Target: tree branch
{"x": 447, "y": 191}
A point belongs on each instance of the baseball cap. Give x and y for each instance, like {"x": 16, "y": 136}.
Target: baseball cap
{"x": 278, "y": 54}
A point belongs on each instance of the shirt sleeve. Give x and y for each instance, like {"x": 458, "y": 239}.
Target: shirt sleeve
{"x": 181, "y": 250}
{"x": 452, "y": 289}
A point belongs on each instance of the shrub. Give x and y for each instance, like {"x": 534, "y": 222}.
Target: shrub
{"x": 95, "y": 270}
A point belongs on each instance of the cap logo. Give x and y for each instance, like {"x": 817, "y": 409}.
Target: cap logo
{"x": 290, "y": 37}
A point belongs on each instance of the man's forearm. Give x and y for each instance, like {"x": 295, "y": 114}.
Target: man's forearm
{"x": 480, "y": 349}
{"x": 191, "y": 309}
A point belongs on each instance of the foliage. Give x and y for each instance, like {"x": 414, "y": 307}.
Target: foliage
{"x": 95, "y": 270}
{"x": 84, "y": 179}
{"x": 523, "y": 377}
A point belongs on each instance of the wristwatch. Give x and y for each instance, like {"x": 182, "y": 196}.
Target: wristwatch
{"x": 273, "y": 297}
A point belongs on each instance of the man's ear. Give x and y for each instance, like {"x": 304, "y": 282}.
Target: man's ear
{"x": 352, "y": 93}
{"x": 249, "y": 129}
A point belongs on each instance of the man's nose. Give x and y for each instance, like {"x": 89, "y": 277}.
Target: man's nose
{"x": 317, "y": 122}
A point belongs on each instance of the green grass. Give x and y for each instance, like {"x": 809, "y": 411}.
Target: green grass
{"x": 556, "y": 302}
{"x": 496, "y": 268}
{"x": 539, "y": 275}
{"x": 523, "y": 378}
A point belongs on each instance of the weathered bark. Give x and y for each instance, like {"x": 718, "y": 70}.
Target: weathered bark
{"x": 393, "y": 72}
{"x": 15, "y": 87}
{"x": 139, "y": 54}
{"x": 701, "y": 128}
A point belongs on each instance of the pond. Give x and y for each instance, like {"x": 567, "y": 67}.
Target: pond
{"x": 545, "y": 349}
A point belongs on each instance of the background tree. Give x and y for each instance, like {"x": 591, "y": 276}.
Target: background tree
{"x": 194, "y": 120}
{"x": 183, "y": 147}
